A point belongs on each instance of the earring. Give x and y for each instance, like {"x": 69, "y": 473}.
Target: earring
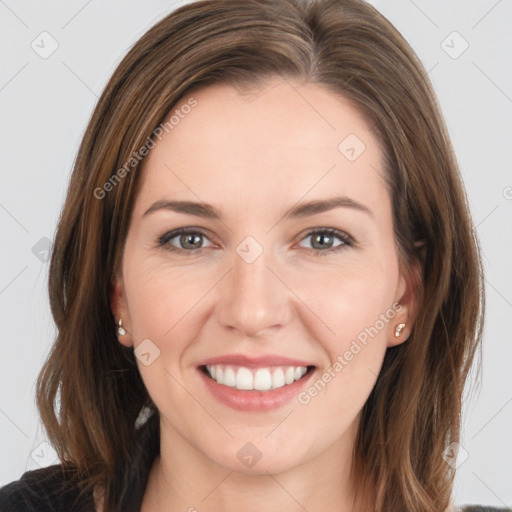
{"x": 121, "y": 331}
{"x": 398, "y": 330}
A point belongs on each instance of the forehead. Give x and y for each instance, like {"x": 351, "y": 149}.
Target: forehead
{"x": 283, "y": 139}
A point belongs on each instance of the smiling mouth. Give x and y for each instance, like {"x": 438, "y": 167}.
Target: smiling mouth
{"x": 255, "y": 379}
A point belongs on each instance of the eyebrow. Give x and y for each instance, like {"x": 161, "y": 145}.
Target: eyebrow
{"x": 207, "y": 211}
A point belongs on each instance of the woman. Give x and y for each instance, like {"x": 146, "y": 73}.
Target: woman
{"x": 266, "y": 280}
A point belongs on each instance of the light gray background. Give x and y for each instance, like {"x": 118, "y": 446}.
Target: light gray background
{"x": 46, "y": 103}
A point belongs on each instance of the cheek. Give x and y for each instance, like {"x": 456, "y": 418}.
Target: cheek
{"x": 349, "y": 299}
{"x": 164, "y": 302}
{"x": 344, "y": 313}
{"x": 165, "y": 307}
{"x": 354, "y": 313}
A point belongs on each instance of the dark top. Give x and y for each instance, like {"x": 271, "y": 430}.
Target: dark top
{"x": 46, "y": 490}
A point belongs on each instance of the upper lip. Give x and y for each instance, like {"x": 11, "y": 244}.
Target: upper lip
{"x": 254, "y": 362}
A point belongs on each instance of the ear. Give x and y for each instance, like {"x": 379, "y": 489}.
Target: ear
{"x": 407, "y": 296}
{"x": 119, "y": 306}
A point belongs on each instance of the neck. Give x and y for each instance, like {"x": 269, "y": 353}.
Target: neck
{"x": 184, "y": 479}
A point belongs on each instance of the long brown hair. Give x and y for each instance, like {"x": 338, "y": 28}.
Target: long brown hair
{"x": 413, "y": 412}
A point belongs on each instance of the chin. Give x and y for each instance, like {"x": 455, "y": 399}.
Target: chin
{"x": 255, "y": 455}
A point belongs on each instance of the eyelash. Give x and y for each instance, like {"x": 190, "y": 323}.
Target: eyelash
{"x": 347, "y": 241}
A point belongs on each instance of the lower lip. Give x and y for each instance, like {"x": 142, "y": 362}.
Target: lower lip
{"x": 243, "y": 400}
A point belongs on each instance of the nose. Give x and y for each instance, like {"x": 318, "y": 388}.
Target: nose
{"x": 253, "y": 297}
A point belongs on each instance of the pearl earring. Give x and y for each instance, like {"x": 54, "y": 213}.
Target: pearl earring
{"x": 121, "y": 331}
{"x": 398, "y": 330}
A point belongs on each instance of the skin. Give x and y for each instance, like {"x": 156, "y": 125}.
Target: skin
{"x": 253, "y": 156}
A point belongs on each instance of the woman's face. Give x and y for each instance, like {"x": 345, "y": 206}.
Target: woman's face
{"x": 289, "y": 263}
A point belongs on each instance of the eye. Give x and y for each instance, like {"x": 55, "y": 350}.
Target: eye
{"x": 323, "y": 241}
{"x": 185, "y": 240}
{"x": 190, "y": 240}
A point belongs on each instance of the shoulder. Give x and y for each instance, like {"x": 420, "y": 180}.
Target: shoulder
{"x": 44, "y": 490}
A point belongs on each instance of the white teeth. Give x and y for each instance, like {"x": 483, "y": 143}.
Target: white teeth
{"x": 261, "y": 379}
{"x": 278, "y": 378}
{"x": 289, "y": 376}
{"x": 229, "y": 377}
{"x": 244, "y": 379}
